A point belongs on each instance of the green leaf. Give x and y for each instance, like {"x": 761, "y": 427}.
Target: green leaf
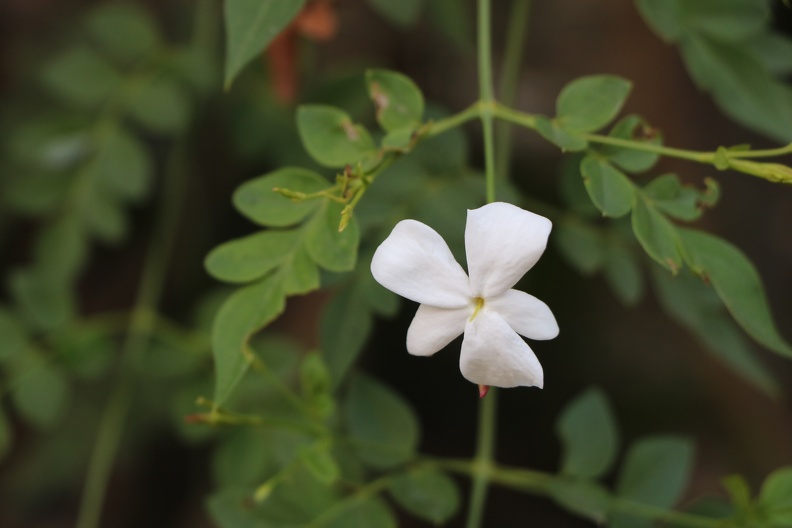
{"x": 662, "y": 16}
{"x": 610, "y": 190}
{"x": 656, "y": 235}
{"x": 61, "y": 248}
{"x": 317, "y": 384}
{"x": 346, "y": 324}
{"x": 13, "y": 335}
{"x": 623, "y": 274}
{"x": 774, "y": 51}
{"x": 633, "y": 128}
{"x": 42, "y": 395}
{"x": 162, "y": 106}
{"x": 399, "y": 102}
{"x": 256, "y": 199}
{"x": 382, "y": 427}
{"x": 582, "y": 497}
{"x": 331, "y": 138}
{"x": 122, "y": 165}
{"x": 45, "y": 299}
{"x": 738, "y": 284}
{"x": 104, "y": 217}
{"x": 655, "y": 472}
{"x": 727, "y": 20}
{"x": 589, "y": 103}
{"x": 250, "y": 27}
{"x": 246, "y": 311}
{"x": 403, "y": 13}
{"x": 125, "y": 31}
{"x": 330, "y": 249}
{"x": 674, "y": 199}
{"x": 588, "y": 433}
{"x": 320, "y": 463}
{"x": 6, "y": 435}
{"x": 697, "y": 307}
{"x": 80, "y": 77}
{"x": 573, "y": 190}
{"x": 426, "y": 493}
{"x": 553, "y": 132}
{"x": 775, "y": 499}
{"x": 581, "y": 245}
{"x": 251, "y": 257}
{"x": 363, "y": 512}
{"x": 301, "y": 275}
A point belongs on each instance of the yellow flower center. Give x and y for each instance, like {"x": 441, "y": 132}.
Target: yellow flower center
{"x": 479, "y": 306}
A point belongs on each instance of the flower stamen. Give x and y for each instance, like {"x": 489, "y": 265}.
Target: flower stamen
{"x": 479, "y": 306}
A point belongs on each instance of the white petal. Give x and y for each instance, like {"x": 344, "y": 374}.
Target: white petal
{"x": 493, "y": 354}
{"x": 527, "y": 315}
{"x": 502, "y": 242}
{"x": 415, "y": 262}
{"x": 433, "y": 328}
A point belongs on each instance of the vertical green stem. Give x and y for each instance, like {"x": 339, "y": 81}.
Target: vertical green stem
{"x": 486, "y": 94}
{"x": 509, "y": 77}
{"x": 140, "y": 329}
{"x": 485, "y": 441}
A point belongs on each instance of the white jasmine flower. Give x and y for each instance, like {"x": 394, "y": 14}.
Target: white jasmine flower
{"x": 502, "y": 242}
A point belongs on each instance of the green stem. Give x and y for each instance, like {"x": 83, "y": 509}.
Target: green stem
{"x": 486, "y": 94}
{"x": 468, "y": 114}
{"x": 485, "y": 442}
{"x": 140, "y": 329}
{"x": 509, "y": 77}
{"x": 483, "y": 461}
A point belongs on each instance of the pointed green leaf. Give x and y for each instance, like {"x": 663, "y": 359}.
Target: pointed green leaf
{"x": 589, "y": 103}
{"x": 566, "y": 140}
{"x": 330, "y": 249}
{"x": 382, "y": 427}
{"x": 662, "y": 16}
{"x": 331, "y": 138}
{"x": 245, "y": 312}
{"x": 399, "y": 102}
{"x": 610, "y": 190}
{"x": 426, "y": 493}
{"x": 656, "y": 234}
{"x": 655, "y": 472}
{"x": 251, "y": 257}
{"x": 46, "y": 299}
{"x": 256, "y": 199}
{"x": 250, "y": 27}
{"x": 125, "y": 31}
{"x": 320, "y": 463}
{"x": 588, "y": 433}
{"x": 738, "y": 284}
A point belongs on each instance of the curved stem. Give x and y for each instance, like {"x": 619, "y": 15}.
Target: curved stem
{"x": 509, "y": 77}
{"x": 141, "y": 327}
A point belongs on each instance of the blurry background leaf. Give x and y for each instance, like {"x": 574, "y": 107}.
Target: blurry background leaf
{"x": 426, "y": 493}
{"x": 42, "y": 394}
{"x": 382, "y": 427}
{"x": 588, "y": 433}
{"x": 162, "y": 106}
{"x": 80, "y": 76}
{"x": 402, "y": 13}
{"x": 123, "y": 30}
{"x": 655, "y": 472}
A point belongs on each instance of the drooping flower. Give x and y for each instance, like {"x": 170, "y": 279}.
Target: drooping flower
{"x": 502, "y": 242}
